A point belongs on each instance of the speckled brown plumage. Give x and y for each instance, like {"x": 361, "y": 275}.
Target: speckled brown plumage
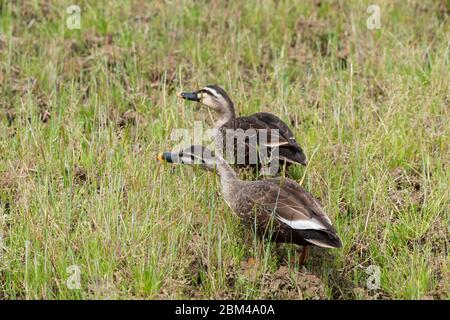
{"x": 279, "y": 208}
{"x": 289, "y": 151}
{"x": 265, "y": 201}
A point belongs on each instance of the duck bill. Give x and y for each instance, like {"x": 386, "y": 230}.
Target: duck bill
{"x": 192, "y": 96}
{"x": 165, "y": 157}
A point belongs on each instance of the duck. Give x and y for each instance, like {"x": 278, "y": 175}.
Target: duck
{"x": 279, "y": 136}
{"x": 279, "y": 207}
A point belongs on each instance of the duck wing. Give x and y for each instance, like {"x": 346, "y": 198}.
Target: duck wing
{"x": 298, "y": 211}
{"x": 242, "y": 140}
{"x": 274, "y": 139}
{"x": 274, "y": 122}
{"x": 291, "y": 152}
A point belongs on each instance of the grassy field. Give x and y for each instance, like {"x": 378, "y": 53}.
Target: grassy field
{"x": 84, "y": 112}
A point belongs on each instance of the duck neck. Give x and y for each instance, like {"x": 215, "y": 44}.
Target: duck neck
{"x": 226, "y": 115}
{"x": 226, "y": 173}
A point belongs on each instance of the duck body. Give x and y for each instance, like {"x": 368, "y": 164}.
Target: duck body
{"x": 281, "y": 210}
{"x": 276, "y": 133}
{"x": 277, "y": 136}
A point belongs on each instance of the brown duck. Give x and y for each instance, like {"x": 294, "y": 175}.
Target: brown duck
{"x": 279, "y": 207}
{"x": 215, "y": 98}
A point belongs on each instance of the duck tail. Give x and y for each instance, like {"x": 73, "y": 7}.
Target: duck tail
{"x": 325, "y": 240}
{"x": 293, "y": 155}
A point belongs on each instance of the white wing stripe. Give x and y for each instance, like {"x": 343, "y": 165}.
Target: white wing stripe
{"x": 273, "y": 144}
{"x": 302, "y": 224}
{"x": 318, "y": 243}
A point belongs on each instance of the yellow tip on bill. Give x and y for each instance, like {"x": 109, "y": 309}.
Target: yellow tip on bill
{"x": 159, "y": 157}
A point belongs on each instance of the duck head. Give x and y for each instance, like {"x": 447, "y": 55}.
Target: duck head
{"x": 215, "y": 98}
{"x": 203, "y": 157}
{"x": 192, "y": 155}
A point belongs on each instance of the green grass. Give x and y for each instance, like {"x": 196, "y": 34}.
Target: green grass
{"x": 84, "y": 112}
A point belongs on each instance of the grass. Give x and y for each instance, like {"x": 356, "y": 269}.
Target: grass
{"x": 84, "y": 112}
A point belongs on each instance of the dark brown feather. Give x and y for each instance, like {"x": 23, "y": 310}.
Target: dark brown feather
{"x": 264, "y": 201}
{"x": 288, "y": 149}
